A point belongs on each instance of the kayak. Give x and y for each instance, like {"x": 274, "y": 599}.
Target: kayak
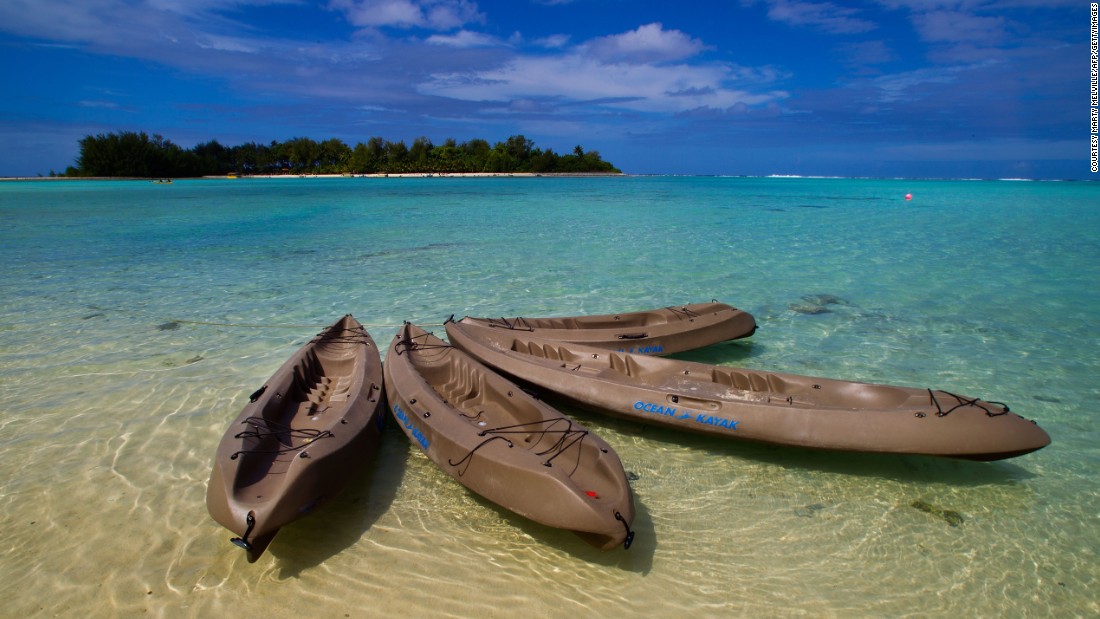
{"x": 770, "y": 407}
{"x": 301, "y": 437}
{"x": 660, "y": 331}
{"x": 505, "y": 445}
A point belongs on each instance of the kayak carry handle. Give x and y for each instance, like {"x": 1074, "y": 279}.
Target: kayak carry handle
{"x": 629, "y": 534}
{"x": 243, "y": 540}
{"x": 257, "y": 393}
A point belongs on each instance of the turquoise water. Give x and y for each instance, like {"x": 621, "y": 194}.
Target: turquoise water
{"x": 135, "y": 318}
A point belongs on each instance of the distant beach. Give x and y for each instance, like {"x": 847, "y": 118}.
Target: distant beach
{"x": 280, "y": 176}
{"x": 433, "y": 175}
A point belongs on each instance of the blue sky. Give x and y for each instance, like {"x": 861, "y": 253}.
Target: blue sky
{"x": 917, "y": 88}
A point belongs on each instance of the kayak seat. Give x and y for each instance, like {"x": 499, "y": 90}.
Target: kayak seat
{"x": 624, "y": 364}
{"x": 341, "y": 389}
{"x": 746, "y": 381}
{"x": 308, "y": 374}
{"x": 538, "y": 350}
{"x": 462, "y": 386}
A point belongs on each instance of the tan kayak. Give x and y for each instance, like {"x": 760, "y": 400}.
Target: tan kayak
{"x": 505, "y": 445}
{"x": 661, "y": 331}
{"x": 782, "y": 409}
{"x": 301, "y": 437}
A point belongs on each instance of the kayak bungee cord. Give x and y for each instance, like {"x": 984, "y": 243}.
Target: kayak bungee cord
{"x": 965, "y": 402}
{"x": 469, "y": 455}
{"x": 568, "y": 437}
{"x": 507, "y": 324}
{"x": 262, "y": 428}
{"x": 354, "y": 335}
{"x": 409, "y": 344}
{"x": 682, "y": 312}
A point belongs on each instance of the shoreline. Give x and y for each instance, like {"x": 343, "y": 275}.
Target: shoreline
{"x": 518, "y": 175}
{"x": 294, "y": 176}
{"x": 426, "y": 175}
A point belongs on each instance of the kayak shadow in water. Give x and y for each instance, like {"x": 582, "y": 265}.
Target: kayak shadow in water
{"x": 341, "y": 522}
{"x": 904, "y": 468}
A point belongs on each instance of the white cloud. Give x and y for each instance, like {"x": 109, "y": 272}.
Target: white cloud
{"x": 555, "y": 41}
{"x": 577, "y": 78}
{"x": 641, "y": 70}
{"x": 647, "y": 69}
{"x": 648, "y": 43}
{"x": 68, "y": 21}
{"x": 911, "y": 85}
{"x": 463, "y": 39}
{"x": 227, "y": 44}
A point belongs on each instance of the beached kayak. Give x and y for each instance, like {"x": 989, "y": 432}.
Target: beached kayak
{"x": 660, "y": 331}
{"x": 301, "y": 437}
{"x": 781, "y": 409}
{"x": 501, "y": 443}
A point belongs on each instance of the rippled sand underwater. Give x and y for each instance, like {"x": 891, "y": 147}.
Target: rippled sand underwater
{"x": 136, "y": 319}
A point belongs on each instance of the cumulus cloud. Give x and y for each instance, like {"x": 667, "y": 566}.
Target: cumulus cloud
{"x": 577, "y": 78}
{"x": 648, "y": 43}
{"x": 642, "y": 70}
{"x": 646, "y": 69}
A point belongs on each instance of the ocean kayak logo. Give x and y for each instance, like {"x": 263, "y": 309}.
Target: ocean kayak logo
{"x": 675, "y": 413}
{"x": 404, "y": 420}
{"x": 654, "y": 349}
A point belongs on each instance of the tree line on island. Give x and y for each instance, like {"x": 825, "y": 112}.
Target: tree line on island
{"x": 136, "y": 154}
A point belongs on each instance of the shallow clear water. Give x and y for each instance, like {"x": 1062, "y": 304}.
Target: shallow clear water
{"x": 135, "y": 318}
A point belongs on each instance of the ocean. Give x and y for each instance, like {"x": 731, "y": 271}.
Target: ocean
{"x": 135, "y": 319}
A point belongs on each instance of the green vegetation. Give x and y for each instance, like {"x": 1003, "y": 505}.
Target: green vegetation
{"x": 129, "y": 154}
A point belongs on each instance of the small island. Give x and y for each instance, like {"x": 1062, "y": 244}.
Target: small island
{"x": 128, "y": 154}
